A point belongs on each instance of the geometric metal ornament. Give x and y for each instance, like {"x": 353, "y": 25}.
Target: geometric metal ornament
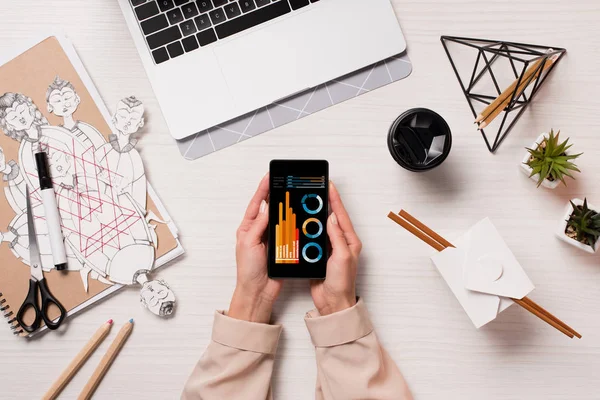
{"x": 497, "y": 65}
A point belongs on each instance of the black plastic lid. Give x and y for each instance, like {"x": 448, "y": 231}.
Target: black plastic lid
{"x": 419, "y": 140}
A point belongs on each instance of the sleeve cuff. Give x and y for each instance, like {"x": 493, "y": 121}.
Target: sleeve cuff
{"x": 339, "y": 328}
{"x": 244, "y": 335}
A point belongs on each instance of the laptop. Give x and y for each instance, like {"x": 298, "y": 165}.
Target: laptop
{"x": 210, "y": 61}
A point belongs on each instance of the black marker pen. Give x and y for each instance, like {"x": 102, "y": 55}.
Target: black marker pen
{"x": 51, "y": 210}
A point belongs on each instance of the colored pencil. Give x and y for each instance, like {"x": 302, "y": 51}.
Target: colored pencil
{"x": 74, "y": 366}
{"x": 106, "y": 361}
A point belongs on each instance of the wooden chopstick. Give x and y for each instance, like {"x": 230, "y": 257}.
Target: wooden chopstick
{"x": 430, "y": 237}
{"x": 534, "y": 308}
{"x": 425, "y": 229}
{"x": 543, "y": 317}
{"x": 549, "y": 315}
{"x": 416, "y": 232}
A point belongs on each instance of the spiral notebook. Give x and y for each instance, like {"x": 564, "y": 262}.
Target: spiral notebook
{"x": 26, "y": 80}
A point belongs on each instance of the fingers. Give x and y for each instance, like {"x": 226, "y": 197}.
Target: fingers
{"x": 260, "y": 223}
{"x": 262, "y": 193}
{"x": 343, "y": 219}
{"x": 336, "y": 235}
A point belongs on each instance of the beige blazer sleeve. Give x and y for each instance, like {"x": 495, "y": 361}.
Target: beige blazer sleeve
{"x": 351, "y": 363}
{"x": 237, "y": 364}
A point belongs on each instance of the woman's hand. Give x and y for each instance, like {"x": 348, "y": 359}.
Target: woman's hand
{"x": 255, "y": 292}
{"x": 338, "y": 291}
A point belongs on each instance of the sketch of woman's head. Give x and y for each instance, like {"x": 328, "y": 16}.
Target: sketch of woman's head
{"x": 129, "y": 117}
{"x": 62, "y": 98}
{"x": 158, "y": 297}
{"x": 18, "y": 114}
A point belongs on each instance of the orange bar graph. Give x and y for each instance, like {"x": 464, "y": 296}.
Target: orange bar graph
{"x": 287, "y": 235}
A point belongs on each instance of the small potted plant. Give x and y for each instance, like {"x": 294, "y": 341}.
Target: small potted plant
{"x": 580, "y": 226}
{"x": 548, "y": 161}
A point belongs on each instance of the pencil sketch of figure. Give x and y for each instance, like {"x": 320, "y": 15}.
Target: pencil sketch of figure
{"x": 157, "y": 296}
{"x": 117, "y": 258}
{"x": 62, "y": 100}
{"x": 129, "y": 177}
{"x": 11, "y": 237}
{"x": 17, "y": 238}
{"x": 101, "y": 192}
{"x": 21, "y": 120}
{"x": 10, "y": 173}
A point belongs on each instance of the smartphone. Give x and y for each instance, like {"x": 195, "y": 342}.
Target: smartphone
{"x": 298, "y": 211}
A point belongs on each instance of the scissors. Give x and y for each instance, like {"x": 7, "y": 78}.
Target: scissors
{"x": 37, "y": 283}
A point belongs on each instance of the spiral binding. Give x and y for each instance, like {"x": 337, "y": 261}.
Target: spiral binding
{"x": 5, "y": 309}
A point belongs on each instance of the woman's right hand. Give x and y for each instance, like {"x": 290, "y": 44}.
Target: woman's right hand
{"x": 255, "y": 293}
{"x": 338, "y": 291}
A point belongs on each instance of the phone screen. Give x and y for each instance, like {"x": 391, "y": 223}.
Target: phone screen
{"x": 298, "y": 211}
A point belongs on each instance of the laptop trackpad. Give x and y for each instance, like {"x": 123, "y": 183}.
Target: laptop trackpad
{"x": 269, "y": 63}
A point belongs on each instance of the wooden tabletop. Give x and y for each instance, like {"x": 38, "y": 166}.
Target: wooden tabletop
{"x": 416, "y": 316}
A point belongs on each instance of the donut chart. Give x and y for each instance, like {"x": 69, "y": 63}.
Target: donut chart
{"x": 312, "y": 196}
{"x": 305, "y": 231}
{"x": 308, "y": 246}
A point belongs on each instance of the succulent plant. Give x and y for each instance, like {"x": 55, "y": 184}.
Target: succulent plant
{"x": 584, "y": 224}
{"x": 550, "y": 160}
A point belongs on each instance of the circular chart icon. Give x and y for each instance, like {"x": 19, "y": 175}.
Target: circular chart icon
{"x": 308, "y": 246}
{"x": 314, "y": 235}
{"x": 312, "y": 196}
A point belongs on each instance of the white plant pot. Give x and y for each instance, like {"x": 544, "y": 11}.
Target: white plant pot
{"x": 563, "y": 227}
{"x": 527, "y": 169}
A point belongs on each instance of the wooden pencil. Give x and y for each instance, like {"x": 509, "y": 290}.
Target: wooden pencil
{"x": 106, "y": 362}
{"x": 74, "y": 366}
{"x": 507, "y": 92}
{"x": 495, "y": 108}
{"x": 524, "y": 84}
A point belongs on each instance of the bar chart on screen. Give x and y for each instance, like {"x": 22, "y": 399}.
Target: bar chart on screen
{"x": 287, "y": 235}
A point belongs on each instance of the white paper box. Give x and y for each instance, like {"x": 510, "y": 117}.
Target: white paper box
{"x": 483, "y": 273}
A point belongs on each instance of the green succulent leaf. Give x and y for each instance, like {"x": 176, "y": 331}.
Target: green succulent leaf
{"x": 586, "y": 223}
{"x": 551, "y": 161}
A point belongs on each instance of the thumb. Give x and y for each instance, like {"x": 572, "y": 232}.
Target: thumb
{"x": 259, "y": 225}
{"x": 336, "y": 235}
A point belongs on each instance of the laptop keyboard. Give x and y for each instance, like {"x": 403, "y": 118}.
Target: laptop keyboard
{"x": 175, "y": 27}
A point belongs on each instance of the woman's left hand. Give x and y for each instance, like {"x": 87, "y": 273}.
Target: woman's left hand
{"x": 255, "y": 292}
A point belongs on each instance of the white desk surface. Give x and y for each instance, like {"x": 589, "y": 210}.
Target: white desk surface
{"x": 417, "y": 318}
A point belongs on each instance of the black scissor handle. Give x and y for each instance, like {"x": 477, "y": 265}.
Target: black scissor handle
{"x": 31, "y": 301}
{"x": 47, "y": 300}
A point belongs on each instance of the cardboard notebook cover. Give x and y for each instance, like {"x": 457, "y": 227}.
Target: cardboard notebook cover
{"x": 30, "y": 73}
